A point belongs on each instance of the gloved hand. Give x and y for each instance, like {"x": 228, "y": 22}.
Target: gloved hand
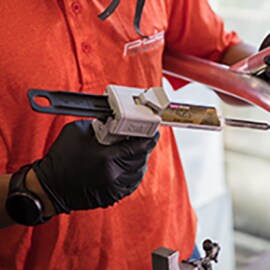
{"x": 266, "y": 74}
{"x": 79, "y": 173}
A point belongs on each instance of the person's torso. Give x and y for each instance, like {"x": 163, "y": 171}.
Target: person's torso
{"x": 62, "y": 45}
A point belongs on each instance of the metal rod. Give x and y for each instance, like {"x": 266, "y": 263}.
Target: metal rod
{"x": 246, "y": 124}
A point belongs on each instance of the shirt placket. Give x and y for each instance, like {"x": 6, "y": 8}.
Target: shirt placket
{"x": 83, "y": 36}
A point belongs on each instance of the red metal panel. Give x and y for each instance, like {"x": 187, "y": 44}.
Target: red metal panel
{"x": 219, "y": 77}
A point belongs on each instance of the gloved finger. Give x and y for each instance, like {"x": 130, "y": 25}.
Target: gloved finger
{"x": 100, "y": 198}
{"x": 131, "y": 164}
{"x": 267, "y": 72}
{"x": 111, "y": 171}
{"x": 81, "y": 126}
{"x": 121, "y": 188}
{"x": 131, "y": 180}
{"x": 72, "y": 131}
{"x": 265, "y": 43}
{"x": 267, "y": 60}
{"x": 104, "y": 197}
{"x": 138, "y": 146}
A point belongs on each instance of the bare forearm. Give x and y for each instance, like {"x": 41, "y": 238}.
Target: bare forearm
{"x": 5, "y": 221}
{"x": 230, "y": 57}
{"x": 32, "y": 184}
{"x": 237, "y": 53}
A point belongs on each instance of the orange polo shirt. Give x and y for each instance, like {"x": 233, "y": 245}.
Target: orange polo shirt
{"x": 62, "y": 45}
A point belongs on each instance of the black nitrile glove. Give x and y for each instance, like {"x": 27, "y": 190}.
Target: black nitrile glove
{"x": 80, "y": 173}
{"x": 266, "y": 74}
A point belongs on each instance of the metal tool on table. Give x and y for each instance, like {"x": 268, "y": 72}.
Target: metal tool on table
{"x": 128, "y": 111}
{"x": 167, "y": 259}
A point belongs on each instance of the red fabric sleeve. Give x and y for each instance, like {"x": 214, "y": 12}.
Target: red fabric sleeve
{"x": 195, "y": 29}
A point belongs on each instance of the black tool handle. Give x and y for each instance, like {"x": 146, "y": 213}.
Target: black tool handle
{"x": 70, "y": 103}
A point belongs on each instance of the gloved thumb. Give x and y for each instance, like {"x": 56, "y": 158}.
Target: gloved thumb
{"x": 139, "y": 146}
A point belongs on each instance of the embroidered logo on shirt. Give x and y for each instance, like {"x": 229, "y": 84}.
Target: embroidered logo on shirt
{"x": 145, "y": 44}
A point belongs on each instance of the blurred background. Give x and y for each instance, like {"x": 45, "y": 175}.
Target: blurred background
{"x": 247, "y": 155}
{"x": 228, "y": 172}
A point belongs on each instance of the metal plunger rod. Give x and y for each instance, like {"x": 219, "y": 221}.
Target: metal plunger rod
{"x": 246, "y": 124}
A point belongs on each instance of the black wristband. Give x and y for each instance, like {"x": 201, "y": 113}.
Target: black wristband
{"x": 22, "y": 205}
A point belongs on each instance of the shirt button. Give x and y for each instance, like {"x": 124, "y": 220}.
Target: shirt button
{"x": 76, "y": 7}
{"x": 85, "y": 47}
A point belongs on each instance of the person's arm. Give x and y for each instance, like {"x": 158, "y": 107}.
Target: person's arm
{"x": 237, "y": 52}
{"x": 33, "y": 185}
{"x": 231, "y": 56}
{"x": 5, "y": 221}
{"x": 77, "y": 173}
